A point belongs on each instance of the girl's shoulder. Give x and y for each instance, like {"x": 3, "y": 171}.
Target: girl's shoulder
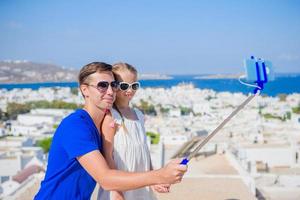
{"x": 139, "y": 114}
{"x": 137, "y": 110}
{"x": 116, "y": 116}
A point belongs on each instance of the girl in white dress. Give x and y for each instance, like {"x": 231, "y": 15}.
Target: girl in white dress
{"x": 124, "y": 137}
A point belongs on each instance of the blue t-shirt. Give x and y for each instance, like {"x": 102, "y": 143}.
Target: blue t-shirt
{"x": 65, "y": 178}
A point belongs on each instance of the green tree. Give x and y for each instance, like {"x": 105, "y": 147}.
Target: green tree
{"x": 208, "y": 98}
{"x": 154, "y": 137}
{"x": 64, "y": 105}
{"x": 259, "y": 111}
{"x": 14, "y": 109}
{"x": 282, "y": 97}
{"x": 270, "y": 116}
{"x": 1, "y": 115}
{"x": 288, "y": 115}
{"x": 164, "y": 110}
{"x": 185, "y": 110}
{"x": 147, "y": 108}
{"x": 45, "y": 144}
{"x": 263, "y": 95}
{"x": 296, "y": 109}
{"x": 54, "y": 104}
{"x": 74, "y": 91}
{"x": 39, "y": 104}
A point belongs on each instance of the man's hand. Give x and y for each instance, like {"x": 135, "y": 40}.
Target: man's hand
{"x": 173, "y": 171}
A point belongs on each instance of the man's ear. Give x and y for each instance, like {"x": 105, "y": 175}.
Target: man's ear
{"x": 84, "y": 90}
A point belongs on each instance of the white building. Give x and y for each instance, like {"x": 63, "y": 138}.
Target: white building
{"x": 34, "y": 130}
{"x": 2, "y": 132}
{"x": 175, "y": 112}
{"x": 272, "y": 155}
{"x": 13, "y": 160}
{"x": 8, "y": 187}
{"x": 201, "y": 107}
{"x": 38, "y": 122}
{"x": 34, "y": 119}
{"x": 51, "y": 112}
{"x": 174, "y": 139}
{"x": 16, "y": 142}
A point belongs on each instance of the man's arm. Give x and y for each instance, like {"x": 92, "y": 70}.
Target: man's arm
{"x": 110, "y": 179}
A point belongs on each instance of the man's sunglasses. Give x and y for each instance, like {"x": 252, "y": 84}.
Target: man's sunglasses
{"x": 103, "y": 85}
{"x": 125, "y": 86}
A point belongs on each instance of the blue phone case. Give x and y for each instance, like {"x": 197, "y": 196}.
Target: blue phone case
{"x": 252, "y": 75}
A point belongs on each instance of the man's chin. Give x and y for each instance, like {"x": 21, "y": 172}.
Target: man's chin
{"x": 109, "y": 107}
{"x": 105, "y": 106}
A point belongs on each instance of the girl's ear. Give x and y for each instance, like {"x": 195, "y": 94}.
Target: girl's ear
{"x": 84, "y": 90}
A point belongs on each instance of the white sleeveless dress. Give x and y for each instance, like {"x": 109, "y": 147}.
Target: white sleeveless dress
{"x": 131, "y": 153}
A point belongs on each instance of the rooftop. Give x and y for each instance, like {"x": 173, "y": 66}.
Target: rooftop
{"x": 25, "y": 173}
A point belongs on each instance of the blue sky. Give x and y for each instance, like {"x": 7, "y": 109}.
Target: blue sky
{"x": 168, "y": 37}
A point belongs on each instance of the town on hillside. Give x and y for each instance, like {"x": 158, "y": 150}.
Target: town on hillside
{"x": 255, "y": 156}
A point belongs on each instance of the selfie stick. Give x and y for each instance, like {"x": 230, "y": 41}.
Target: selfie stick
{"x": 260, "y": 71}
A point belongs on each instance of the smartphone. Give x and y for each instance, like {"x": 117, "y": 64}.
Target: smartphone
{"x": 259, "y": 70}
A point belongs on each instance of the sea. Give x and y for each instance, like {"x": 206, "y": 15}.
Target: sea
{"x": 283, "y": 84}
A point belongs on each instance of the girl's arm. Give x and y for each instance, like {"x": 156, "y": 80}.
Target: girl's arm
{"x": 108, "y": 129}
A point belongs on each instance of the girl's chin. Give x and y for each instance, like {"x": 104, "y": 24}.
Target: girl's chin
{"x": 128, "y": 96}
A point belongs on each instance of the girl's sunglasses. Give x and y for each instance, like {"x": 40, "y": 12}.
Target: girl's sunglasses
{"x": 125, "y": 86}
{"x": 103, "y": 85}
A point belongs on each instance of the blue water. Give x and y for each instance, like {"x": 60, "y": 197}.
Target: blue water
{"x": 283, "y": 84}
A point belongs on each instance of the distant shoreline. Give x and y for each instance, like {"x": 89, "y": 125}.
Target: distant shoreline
{"x": 218, "y": 76}
{"x": 154, "y": 77}
{"x": 160, "y": 77}
{"x": 283, "y": 84}
{"x": 31, "y": 83}
{"x": 150, "y": 77}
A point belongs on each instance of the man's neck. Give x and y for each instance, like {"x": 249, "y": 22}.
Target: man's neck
{"x": 96, "y": 114}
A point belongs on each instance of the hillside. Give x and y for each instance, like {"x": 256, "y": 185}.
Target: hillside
{"x": 30, "y": 72}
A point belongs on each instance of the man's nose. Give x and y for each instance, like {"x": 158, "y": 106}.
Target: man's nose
{"x": 110, "y": 90}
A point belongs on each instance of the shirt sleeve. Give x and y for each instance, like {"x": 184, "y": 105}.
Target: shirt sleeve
{"x": 140, "y": 115}
{"x": 78, "y": 139}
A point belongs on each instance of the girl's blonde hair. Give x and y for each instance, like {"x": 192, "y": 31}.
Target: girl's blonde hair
{"x": 116, "y": 69}
{"x": 120, "y": 66}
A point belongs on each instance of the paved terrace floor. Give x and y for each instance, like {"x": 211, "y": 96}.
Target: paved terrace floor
{"x": 209, "y": 178}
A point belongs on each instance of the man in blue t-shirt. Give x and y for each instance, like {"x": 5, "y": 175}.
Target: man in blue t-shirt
{"x": 65, "y": 177}
{"x": 75, "y": 161}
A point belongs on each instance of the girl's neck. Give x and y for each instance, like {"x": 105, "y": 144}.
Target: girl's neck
{"x": 122, "y": 104}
